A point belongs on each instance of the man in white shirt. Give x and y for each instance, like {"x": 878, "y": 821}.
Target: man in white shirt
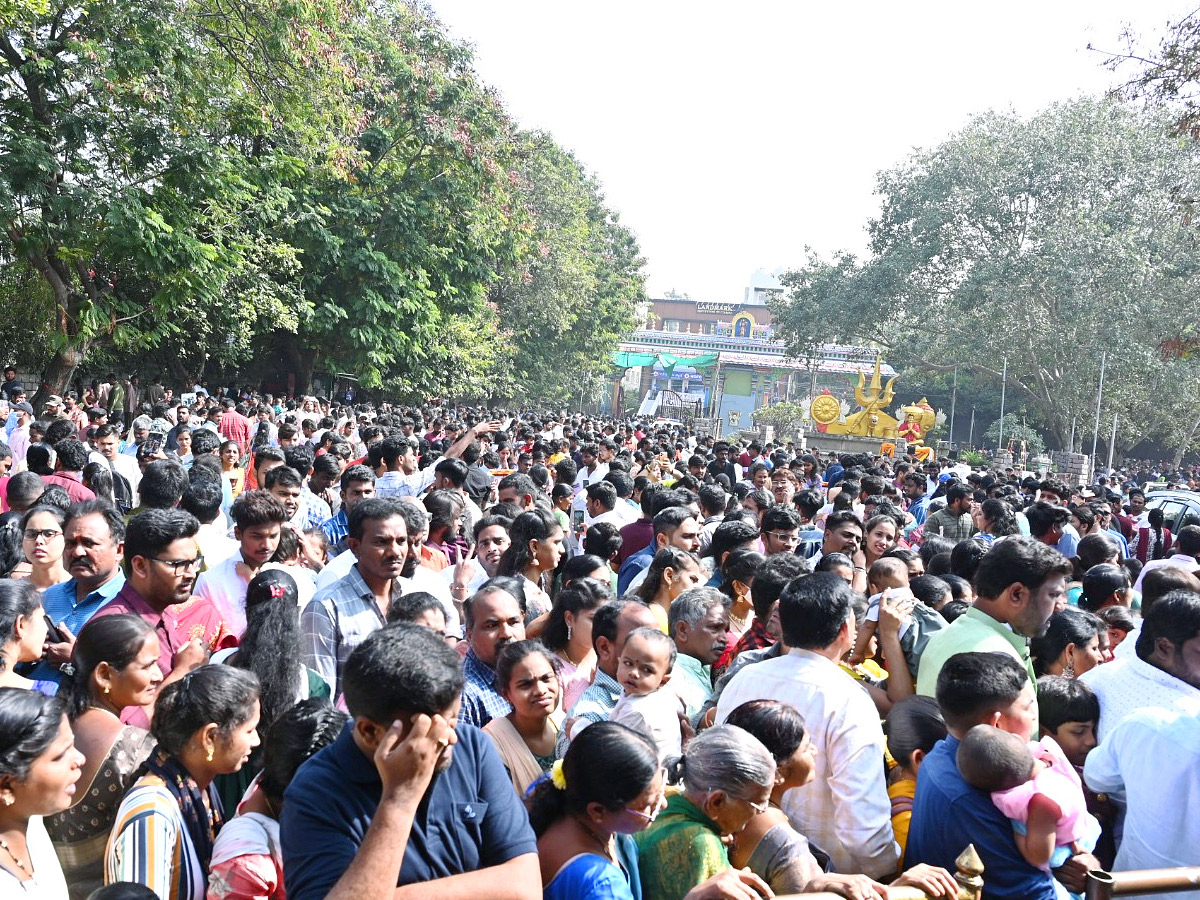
{"x": 602, "y": 505}
{"x": 108, "y": 442}
{"x": 1187, "y": 547}
{"x": 592, "y": 469}
{"x": 1164, "y": 674}
{"x": 259, "y": 517}
{"x": 1153, "y": 758}
{"x": 846, "y": 810}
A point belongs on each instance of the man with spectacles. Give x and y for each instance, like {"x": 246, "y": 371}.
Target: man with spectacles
{"x": 162, "y": 560}
{"x": 780, "y": 530}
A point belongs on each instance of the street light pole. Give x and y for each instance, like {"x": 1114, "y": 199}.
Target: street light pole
{"x": 1099, "y": 398}
{"x": 1003, "y": 390}
{"x": 953, "y": 400}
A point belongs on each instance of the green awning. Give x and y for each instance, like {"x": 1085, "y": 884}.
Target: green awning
{"x": 628, "y": 360}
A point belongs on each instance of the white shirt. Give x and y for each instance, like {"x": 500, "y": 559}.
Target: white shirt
{"x": 215, "y": 543}
{"x": 1178, "y": 560}
{"x": 1153, "y": 756}
{"x": 127, "y": 468}
{"x": 1124, "y": 686}
{"x": 584, "y": 478}
{"x": 611, "y": 516}
{"x": 397, "y": 484}
{"x": 48, "y": 882}
{"x": 337, "y": 569}
{"x": 431, "y": 582}
{"x": 845, "y": 810}
{"x": 227, "y": 590}
{"x": 655, "y": 716}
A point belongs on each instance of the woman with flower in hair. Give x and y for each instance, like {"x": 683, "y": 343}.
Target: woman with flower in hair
{"x": 270, "y": 649}
{"x": 608, "y": 787}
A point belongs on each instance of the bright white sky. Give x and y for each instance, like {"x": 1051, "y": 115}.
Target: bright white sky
{"x": 729, "y": 136}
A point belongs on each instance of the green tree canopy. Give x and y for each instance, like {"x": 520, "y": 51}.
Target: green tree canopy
{"x": 1044, "y": 241}
{"x": 145, "y": 155}
{"x": 577, "y": 294}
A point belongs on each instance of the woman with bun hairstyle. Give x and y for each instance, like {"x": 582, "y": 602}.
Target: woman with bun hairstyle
{"x": 206, "y": 724}
{"x": 727, "y": 777}
{"x": 116, "y": 666}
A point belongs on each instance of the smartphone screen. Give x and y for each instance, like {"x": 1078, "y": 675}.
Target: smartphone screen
{"x": 577, "y": 518}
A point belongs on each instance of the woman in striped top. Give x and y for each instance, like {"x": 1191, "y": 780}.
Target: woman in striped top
{"x": 206, "y": 725}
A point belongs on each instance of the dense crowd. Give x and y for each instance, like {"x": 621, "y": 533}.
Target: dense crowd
{"x": 256, "y": 647}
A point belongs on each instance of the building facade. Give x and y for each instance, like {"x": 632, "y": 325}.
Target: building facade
{"x": 725, "y": 359}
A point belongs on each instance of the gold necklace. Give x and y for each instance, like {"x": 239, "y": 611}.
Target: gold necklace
{"x": 20, "y": 865}
{"x": 600, "y": 842}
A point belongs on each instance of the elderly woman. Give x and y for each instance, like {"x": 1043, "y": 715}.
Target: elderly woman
{"x": 608, "y": 787}
{"x": 39, "y": 767}
{"x": 772, "y": 849}
{"x": 727, "y": 776}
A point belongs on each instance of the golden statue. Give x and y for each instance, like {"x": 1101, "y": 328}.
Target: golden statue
{"x": 870, "y": 420}
{"x": 918, "y": 420}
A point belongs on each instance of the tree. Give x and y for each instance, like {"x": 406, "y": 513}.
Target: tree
{"x": 565, "y": 309}
{"x": 1169, "y": 73}
{"x": 1044, "y": 242}
{"x": 415, "y": 234}
{"x": 147, "y": 149}
{"x": 1015, "y": 431}
{"x": 786, "y": 418}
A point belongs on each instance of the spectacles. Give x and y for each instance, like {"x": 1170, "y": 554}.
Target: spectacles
{"x": 181, "y": 566}
{"x": 785, "y": 537}
{"x": 759, "y": 808}
{"x": 46, "y": 534}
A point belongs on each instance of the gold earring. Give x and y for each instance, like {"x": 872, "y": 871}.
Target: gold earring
{"x": 107, "y": 689}
{"x": 210, "y": 754}
{"x": 9, "y": 800}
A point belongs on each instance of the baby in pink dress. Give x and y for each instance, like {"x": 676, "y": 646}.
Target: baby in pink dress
{"x": 1035, "y": 786}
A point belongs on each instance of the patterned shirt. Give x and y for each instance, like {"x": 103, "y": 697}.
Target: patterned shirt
{"x": 336, "y": 621}
{"x": 150, "y": 844}
{"x": 337, "y": 529}
{"x": 314, "y": 512}
{"x": 59, "y": 604}
{"x": 481, "y": 702}
{"x": 596, "y": 705}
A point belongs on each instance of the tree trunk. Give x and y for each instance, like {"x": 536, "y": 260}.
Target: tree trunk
{"x": 56, "y": 377}
{"x": 301, "y": 361}
{"x": 1185, "y": 443}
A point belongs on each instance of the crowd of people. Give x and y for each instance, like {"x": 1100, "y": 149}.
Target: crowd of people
{"x": 257, "y": 647}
